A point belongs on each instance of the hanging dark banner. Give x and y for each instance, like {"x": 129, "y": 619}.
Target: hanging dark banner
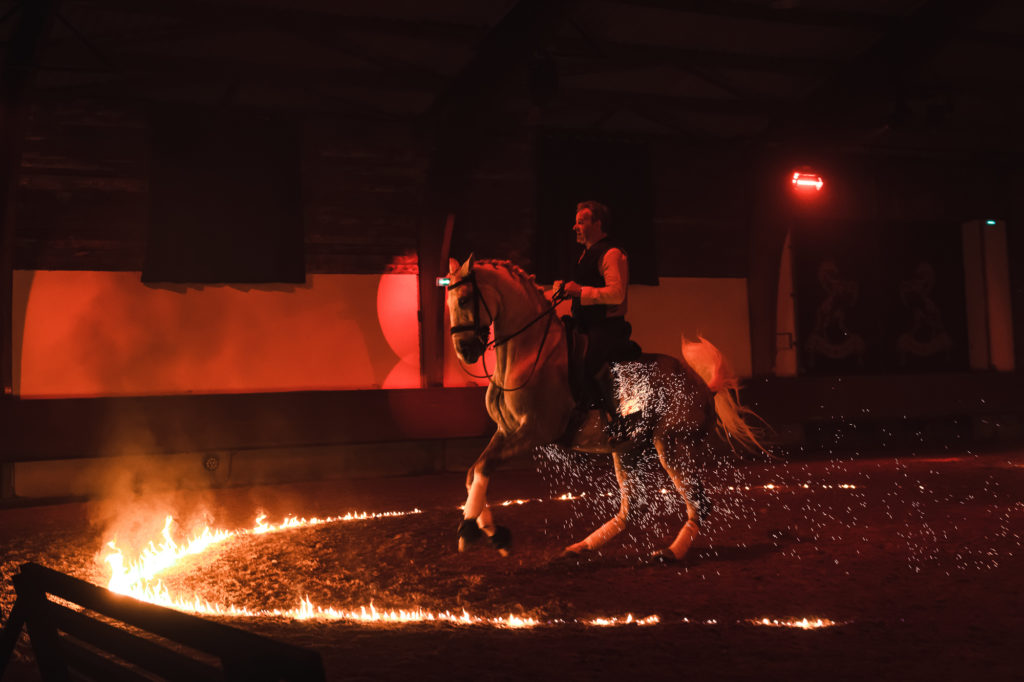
{"x": 877, "y": 298}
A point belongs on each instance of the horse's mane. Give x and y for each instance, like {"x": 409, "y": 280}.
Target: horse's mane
{"x": 527, "y": 281}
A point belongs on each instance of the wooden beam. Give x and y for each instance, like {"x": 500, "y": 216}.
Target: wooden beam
{"x": 129, "y": 647}
{"x": 808, "y": 16}
{"x": 740, "y": 9}
{"x": 907, "y": 44}
{"x": 620, "y": 55}
{"x": 244, "y": 655}
{"x": 21, "y": 56}
{"x": 212, "y": 16}
{"x": 528, "y": 27}
{"x": 880, "y": 71}
{"x": 74, "y": 428}
{"x": 159, "y": 70}
{"x": 119, "y": 51}
{"x": 751, "y": 107}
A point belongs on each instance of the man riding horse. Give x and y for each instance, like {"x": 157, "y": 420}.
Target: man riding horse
{"x": 531, "y": 401}
{"x": 599, "y": 293}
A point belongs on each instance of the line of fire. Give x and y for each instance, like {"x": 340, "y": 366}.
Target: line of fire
{"x": 511, "y": 339}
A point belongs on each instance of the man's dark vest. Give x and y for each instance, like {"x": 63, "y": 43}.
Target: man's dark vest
{"x": 588, "y": 274}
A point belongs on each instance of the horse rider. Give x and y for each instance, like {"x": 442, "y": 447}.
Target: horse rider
{"x": 599, "y": 300}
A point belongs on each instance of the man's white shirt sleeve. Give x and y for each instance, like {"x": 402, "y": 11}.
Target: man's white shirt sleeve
{"x": 615, "y": 271}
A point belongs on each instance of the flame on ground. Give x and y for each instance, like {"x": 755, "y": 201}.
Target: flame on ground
{"x": 138, "y": 579}
{"x": 805, "y": 486}
{"x": 572, "y": 497}
{"x": 803, "y": 623}
{"x": 628, "y": 620}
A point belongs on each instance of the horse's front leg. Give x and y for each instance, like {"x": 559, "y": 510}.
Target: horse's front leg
{"x": 477, "y": 520}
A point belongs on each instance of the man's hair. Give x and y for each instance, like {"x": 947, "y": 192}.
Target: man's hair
{"x": 598, "y": 211}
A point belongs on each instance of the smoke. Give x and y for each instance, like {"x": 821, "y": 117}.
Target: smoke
{"x": 134, "y": 495}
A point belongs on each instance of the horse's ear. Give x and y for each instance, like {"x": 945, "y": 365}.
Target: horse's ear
{"x": 453, "y": 266}
{"x": 465, "y": 268}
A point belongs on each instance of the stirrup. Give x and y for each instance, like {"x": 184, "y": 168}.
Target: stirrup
{"x": 623, "y": 430}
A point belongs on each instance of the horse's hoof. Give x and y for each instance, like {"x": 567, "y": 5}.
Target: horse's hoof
{"x": 570, "y": 554}
{"x": 662, "y": 556}
{"x": 501, "y": 540}
{"x": 469, "y": 532}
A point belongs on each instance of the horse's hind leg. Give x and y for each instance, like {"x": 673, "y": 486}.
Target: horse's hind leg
{"x": 614, "y": 525}
{"x": 697, "y": 505}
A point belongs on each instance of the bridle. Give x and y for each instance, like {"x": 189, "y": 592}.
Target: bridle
{"x": 483, "y": 332}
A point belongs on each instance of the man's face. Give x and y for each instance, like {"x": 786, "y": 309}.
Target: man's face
{"x": 587, "y": 231}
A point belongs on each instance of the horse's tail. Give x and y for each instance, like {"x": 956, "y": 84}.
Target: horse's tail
{"x": 712, "y": 367}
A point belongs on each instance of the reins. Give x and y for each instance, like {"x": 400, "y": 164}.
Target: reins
{"x": 483, "y": 332}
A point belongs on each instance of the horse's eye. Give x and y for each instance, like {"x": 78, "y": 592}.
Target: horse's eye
{"x": 463, "y": 301}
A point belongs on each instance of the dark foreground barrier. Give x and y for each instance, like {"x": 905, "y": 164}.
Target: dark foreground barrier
{"x": 99, "y": 635}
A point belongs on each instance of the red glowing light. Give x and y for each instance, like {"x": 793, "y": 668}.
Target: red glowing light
{"x": 89, "y": 333}
{"x": 806, "y": 180}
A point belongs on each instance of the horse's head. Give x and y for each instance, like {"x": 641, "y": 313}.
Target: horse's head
{"x": 467, "y": 311}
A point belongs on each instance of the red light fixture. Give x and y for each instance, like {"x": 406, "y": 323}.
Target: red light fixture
{"x": 804, "y": 180}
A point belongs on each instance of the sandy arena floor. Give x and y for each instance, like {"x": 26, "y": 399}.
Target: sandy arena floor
{"x": 918, "y": 560}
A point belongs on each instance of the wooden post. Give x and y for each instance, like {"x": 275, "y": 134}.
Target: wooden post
{"x": 6, "y": 480}
{"x": 10, "y": 634}
{"x": 460, "y": 125}
{"x": 434, "y": 247}
{"x": 19, "y": 61}
{"x": 42, "y": 634}
{"x": 431, "y": 300}
{"x": 767, "y": 238}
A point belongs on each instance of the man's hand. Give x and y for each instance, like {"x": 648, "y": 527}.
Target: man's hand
{"x": 573, "y": 290}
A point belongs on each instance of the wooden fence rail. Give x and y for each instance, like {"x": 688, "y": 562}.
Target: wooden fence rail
{"x": 97, "y": 634}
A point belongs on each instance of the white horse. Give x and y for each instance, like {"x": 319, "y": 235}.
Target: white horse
{"x": 530, "y": 400}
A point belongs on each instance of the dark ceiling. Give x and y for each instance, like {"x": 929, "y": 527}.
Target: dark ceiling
{"x": 920, "y": 77}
